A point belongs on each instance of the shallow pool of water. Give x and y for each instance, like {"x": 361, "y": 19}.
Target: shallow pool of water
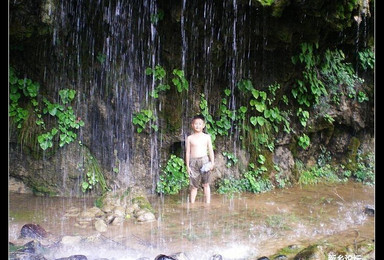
{"x": 245, "y": 226}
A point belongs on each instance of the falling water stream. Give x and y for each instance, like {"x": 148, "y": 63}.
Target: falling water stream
{"x": 244, "y": 226}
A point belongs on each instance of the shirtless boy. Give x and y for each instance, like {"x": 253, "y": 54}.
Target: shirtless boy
{"x": 199, "y": 151}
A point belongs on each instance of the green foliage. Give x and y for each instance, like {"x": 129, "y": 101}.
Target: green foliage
{"x": 329, "y": 118}
{"x": 303, "y": 116}
{"x": 255, "y": 181}
{"x": 304, "y": 141}
{"x": 328, "y": 75}
{"x": 325, "y": 172}
{"x": 173, "y": 177}
{"x": 67, "y": 95}
{"x": 325, "y": 78}
{"x": 361, "y": 97}
{"x": 20, "y": 88}
{"x": 66, "y": 120}
{"x": 145, "y": 116}
{"x": 101, "y": 57}
{"x": 308, "y": 90}
{"x": 230, "y": 185}
{"x": 266, "y": 2}
{"x": 257, "y": 118}
{"x": 281, "y": 180}
{"x": 339, "y": 75}
{"x": 93, "y": 173}
{"x": 318, "y": 174}
{"x": 155, "y": 18}
{"x": 221, "y": 126}
{"x": 264, "y": 118}
{"x": 251, "y": 181}
{"x": 179, "y": 81}
{"x": 261, "y": 159}
{"x": 231, "y": 159}
{"x": 141, "y": 118}
{"x": 324, "y": 157}
{"x": 46, "y": 140}
{"x": 365, "y": 168}
{"x": 159, "y": 74}
{"x": 367, "y": 59}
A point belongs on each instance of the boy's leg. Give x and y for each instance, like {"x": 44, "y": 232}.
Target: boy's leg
{"x": 207, "y": 192}
{"x": 193, "y": 194}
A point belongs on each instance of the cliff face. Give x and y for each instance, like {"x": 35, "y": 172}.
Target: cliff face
{"x": 228, "y": 52}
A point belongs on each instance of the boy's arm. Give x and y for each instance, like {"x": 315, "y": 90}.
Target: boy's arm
{"x": 210, "y": 151}
{"x": 187, "y": 153}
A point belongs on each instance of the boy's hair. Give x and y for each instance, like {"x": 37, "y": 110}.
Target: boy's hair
{"x": 199, "y": 116}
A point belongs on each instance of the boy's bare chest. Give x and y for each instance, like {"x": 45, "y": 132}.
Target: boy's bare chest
{"x": 198, "y": 140}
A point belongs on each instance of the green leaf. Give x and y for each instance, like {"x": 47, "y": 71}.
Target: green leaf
{"x": 253, "y": 120}
{"x": 260, "y": 120}
{"x": 243, "y": 109}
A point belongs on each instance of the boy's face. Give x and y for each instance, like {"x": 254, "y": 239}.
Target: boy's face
{"x": 198, "y": 125}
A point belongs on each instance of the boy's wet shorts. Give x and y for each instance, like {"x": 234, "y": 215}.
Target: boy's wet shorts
{"x": 196, "y": 177}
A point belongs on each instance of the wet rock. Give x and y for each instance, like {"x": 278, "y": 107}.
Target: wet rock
{"x": 281, "y": 257}
{"x": 119, "y": 211}
{"x": 284, "y": 159}
{"x": 263, "y": 258}
{"x": 72, "y": 212}
{"x": 70, "y": 240}
{"x": 117, "y": 221}
{"x": 83, "y": 224}
{"x": 86, "y": 216}
{"x": 107, "y": 208}
{"x": 131, "y": 209}
{"x": 30, "y": 247}
{"x": 315, "y": 252}
{"x": 145, "y": 216}
{"x": 17, "y": 186}
{"x": 164, "y": 257}
{"x": 96, "y": 212}
{"x": 33, "y": 231}
{"x": 369, "y": 210}
{"x": 73, "y": 257}
{"x": 25, "y": 256}
{"x": 100, "y": 225}
{"x": 29, "y": 251}
{"x": 293, "y": 247}
{"x": 180, "y": 256}
{"x": 216, "y": 257}
{"x": 109, "y": 218}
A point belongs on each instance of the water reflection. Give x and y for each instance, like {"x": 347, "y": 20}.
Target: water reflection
{"x": 236, "y": 227}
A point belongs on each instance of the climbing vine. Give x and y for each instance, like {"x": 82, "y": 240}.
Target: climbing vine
{"x": 147, "y": 116}
{"x": 173, "y": 177}
{"x": 25, "y": 91}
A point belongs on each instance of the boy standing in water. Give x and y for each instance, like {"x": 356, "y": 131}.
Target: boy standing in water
{"x": 199, "y": 153}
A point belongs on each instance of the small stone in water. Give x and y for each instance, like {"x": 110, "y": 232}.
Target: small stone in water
{"x": 369, "y": 210}
{"x": 33, "y": 231}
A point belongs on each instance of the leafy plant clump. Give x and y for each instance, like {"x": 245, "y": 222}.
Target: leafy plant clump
{"x": 24, "y": 95}
{"x": 174, "y": 176}
{"x": 253, "y": 180}
{"x": 93, "y": 175}
{"x": 148, "y": 116}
